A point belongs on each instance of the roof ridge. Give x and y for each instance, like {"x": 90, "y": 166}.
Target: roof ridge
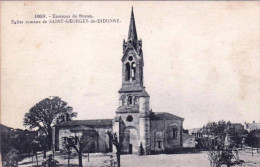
{"x": 89, "y": 122}
{"x": 164, "y": 113}
{"x": 90, "y": 119}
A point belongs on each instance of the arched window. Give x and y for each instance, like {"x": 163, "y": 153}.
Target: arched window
{"x": 133, "y": 70}
{"x": 159, "y": 141}
{"x": 129, "y": 100}
{"x": 174, "y": 133}
{"x": 135, "y": 100}
{"x": 127, "y": 72}
{"x": 123, "y": 101}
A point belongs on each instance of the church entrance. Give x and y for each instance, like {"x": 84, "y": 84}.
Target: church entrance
{"x": 130, "y": 142}
{"x": 130, "y": 148}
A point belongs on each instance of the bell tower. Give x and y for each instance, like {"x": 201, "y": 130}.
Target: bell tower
{"x": 133, "y": 99}
{"x": 132, "y": 60}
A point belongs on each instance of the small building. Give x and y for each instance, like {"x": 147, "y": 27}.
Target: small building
{"x": 166, "y": 132}
{"x": 238, "y": 128}
{"x": 196, "y": 132}
{"x": 252, "y": 126}
{"x": 189, "y": 141}
{"x": 97, "y": 129}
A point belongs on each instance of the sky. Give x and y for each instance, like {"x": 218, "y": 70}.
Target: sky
{"x": 201, "y": 59}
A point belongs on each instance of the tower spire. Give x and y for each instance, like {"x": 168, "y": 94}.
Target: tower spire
{"x": 132, "y": 34}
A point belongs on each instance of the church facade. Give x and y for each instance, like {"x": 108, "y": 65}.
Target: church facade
{"x": 134, "y": 123}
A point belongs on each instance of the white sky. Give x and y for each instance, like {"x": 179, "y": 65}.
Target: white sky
{"x": 202, "y": 59}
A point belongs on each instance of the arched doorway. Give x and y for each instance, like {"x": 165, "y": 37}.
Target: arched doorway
{"x": 130, "y": 142}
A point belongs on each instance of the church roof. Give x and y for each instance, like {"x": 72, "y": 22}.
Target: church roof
{"x": 81, "y": 128}
{"x": 164, "y": 116}
{"x": 144, "y": 94}
{"x": 141, "y": 90}
{"x": 95, "y": 122}
{"x": 131, "y": 89}
{"x": 128, "y": 109}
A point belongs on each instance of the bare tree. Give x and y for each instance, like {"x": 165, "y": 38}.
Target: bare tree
{"x": 35, "y": 145}
{"x": 118, "y": 145}
{"x": 67, "y": 148}
{"x": 78, "y": 144}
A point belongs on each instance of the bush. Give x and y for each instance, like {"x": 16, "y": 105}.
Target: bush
{"x": 11, "y": 158}
{"x": 50, "y": 162}
{"x": 141, "y": 149}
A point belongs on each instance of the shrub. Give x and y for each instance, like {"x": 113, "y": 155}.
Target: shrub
{"x": 11, "y": 158}
{"x": 141, "y": 149}
{"x": 50, "y": 162}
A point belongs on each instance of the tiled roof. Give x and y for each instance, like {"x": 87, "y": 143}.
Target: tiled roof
{"x": 144, "y": 94}
{"x": 95, "y": 122}
{"x": 81, "y": 128}
{"x": 163, "y": 116}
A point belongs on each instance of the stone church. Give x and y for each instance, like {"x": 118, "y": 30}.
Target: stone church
{"x": 134, "y": 123}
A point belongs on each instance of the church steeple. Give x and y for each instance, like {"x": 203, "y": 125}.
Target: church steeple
{"x": 132, "y": 61}
{"x": 132, "y": 33}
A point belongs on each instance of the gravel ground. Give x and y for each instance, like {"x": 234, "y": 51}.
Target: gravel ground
{"x": 177, "y": 160}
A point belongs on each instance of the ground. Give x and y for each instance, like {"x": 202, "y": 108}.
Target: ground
{"x": 198, "y": 159}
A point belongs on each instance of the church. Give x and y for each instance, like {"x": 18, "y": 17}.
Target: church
{"x": 135, "y": 123}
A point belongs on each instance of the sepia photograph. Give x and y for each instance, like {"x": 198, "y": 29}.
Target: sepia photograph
{"x": 130, "y": 83}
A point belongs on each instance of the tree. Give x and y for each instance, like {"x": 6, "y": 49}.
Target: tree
{"x": 50, "y": 162}
{"x": 43, "y": 144}
{"x": 5, "y": 143}
{"x": 35, "y": 145}
{"x": 118, "y": 144}
{"x": 11, "y": 158}
{"x": 253, "y": 139}
{"x": 67, "y": 148}
{"x": 47, "y": 113}
{"x": 219, "y": 141}
{"x": 16, "y": 139}
{"x": 141, "y": 149}
{"x": 79, "y": 143}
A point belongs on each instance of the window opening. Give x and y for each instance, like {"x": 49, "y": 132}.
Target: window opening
{"x": 130, "y": 100}
{"x": 174, "y": 133}
{"x": 127, "y": 72}
{"x": 129, "y": 118}
{"x": 135, "y": 100}
{"x": 159, "y": 143}
{"x": 133, "y": 68}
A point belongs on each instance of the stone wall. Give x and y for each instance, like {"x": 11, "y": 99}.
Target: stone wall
{"x": 102, "y": 144}
{"x": 162, "y": 137}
